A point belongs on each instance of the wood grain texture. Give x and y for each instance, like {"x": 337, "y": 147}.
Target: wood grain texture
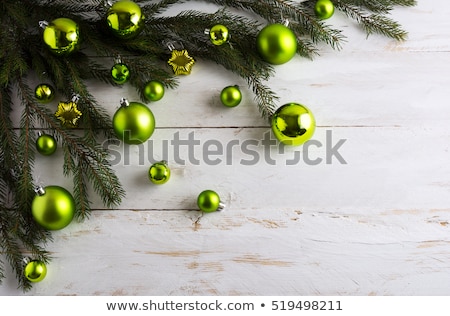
{"x": 377, "y": 224}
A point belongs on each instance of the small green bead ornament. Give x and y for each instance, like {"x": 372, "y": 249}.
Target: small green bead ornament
{"x": 154, "y": 90}
{"x": 293, "y": 124}
{"x": 324, "y": 9}
{"x": 159, "y": 173}
{"x": 231, "y": 96}
{"x": 209, "y": 201}
{"x": 53, "y": 207}
{"x": 44, "y": 93}
{"x": 62, "y": 36}
{"x": 277, "y": 44}
{"x": 46, "y": 144}
{"x": 219, "y": 34}
{"x": 120, "y": 73}
{"x": 133, "y": 122}
{"x": 125, "y": 19}
{"x": 35, "y": 271}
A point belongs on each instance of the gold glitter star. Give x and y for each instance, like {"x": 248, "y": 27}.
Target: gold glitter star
{"x": 68, "y": 114}
{"x": 181, "y": 62}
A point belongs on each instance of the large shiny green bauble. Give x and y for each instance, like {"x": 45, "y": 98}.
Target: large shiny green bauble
{"x": 324, "y": 9}
{"x": 44, "y": 93}
{"x": 154, "y": 90}
{"x": 159, "y": 173}
{"x": 46, "y": 144}
{"x": 293, "y": 124}
{"x": 54, "y": 209}
{"x": 125, "y": 19}
{"x": 35, "y": 271}
{"x": 134, "y": 123}
{"x": 276, "y": 44}
{"x": 231, "y": 96}
{"x": 62, "y": 36}
{"x": 208, "y": 201}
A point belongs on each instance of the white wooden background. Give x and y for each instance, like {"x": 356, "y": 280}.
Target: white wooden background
{"x": 378, "y": 225}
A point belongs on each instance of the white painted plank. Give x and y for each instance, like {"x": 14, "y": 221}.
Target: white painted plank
{"x": 249, "y": 253}
{"x": 374, "y": 168}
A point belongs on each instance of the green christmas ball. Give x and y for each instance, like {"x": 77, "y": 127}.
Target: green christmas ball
{"x": 125, "y": 19}
{"x": 35, "y": 271}
{"x": 53, "y": 207}
{"x": 276, "y": 44}
{"x": 133, "y": 122}
{"x": 324, "y": 9}
{"x": 208, "y": 201}
{"x": 44, "y": 93}
{"x": 62, "y": 36}
{"x": 159, "y": 173}
{"x": 46, "y": 145}
{"x": 219, "y": 34}
{"x": 293, "y": 124}
{"x": 154, "y": 90}
{"x": 120, "y": 73}
{"x": 231, "y": 96}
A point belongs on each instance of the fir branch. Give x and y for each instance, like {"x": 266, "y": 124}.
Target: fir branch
{"x": 302, "y": 21}
{"x": 372, "y": 22}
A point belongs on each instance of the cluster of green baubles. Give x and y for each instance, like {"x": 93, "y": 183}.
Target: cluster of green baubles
{"x": 293, "y": 124}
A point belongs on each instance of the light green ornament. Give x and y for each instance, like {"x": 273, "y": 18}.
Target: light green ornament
{"x": 133, "y": 122}
{"x": 125, "y": 19}
{"x": 276, "y": 44}
{"x": 293, "y": 124}
{"x": 46, "y": 144}
{"x": 120, "y": 73}
{"x": 35, "y": 271}
{"x": 219, "y": 34}
{"x": 231, "y": 96}
{"x": 154, "y": 90}
{"x": 159, "y": 173}
{"x": 209, "y": 201}
{"x": 324, "y": 9}
{"x": 61, "y": 36}
{"x": 44, "y": 93}
{"x": 53, "y": 207}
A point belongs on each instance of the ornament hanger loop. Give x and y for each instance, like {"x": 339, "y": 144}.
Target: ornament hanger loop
{"x": 39, "y": 190}
{"x": 124, "y": 102}
{"x": 75, "y": 98}
{"x": 43, "y": 24}
{"x": 172, "y": 45}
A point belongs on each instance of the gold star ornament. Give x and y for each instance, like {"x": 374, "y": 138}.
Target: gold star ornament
{"x": 68, "y": 114}
{"x": 181, "y": 62}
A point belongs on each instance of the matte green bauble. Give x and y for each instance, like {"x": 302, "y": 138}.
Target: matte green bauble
{"x": 46, "y": 144}
{"x": 120, "y": 73}
{"x": 159, "y": 173}
{"x": 53, "y": 207}
{"x": 133, "y": 122}
{"x": 324, "y": 9}
{"x": 276, "y": 44}
{"x": 125, "y": 19}
{"x": 35, "y": 271}
{"x": 231, "y": 96}
{"x": 44, "y": 93}
{"x": 219, "y": 34}
{"x": 62, "y": 36}
{"x": 209, "y": 201}
{"x": 154, "y": 90}
{"x": 293, "y": 124}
